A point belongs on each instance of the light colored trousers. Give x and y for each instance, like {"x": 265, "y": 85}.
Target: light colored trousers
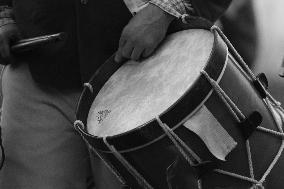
{"x": 43, "y": 151}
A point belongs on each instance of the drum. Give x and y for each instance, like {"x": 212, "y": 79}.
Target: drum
{"x": 184, "y": 118}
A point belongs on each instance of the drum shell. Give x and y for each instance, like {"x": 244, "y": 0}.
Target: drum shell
{"x": 153, "y": 160}
{"x": 263, "y": 146}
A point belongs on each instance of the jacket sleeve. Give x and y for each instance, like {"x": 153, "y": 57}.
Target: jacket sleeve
{"x": 177, "y": 8}
{"x": 6, "y": 13}
{"x": 5, "y": 2}
{"x": 210, "y": 9}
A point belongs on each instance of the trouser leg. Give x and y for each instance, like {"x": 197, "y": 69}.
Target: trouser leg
{"x": 42, "y": 148}
{"x": 103, "y": 176}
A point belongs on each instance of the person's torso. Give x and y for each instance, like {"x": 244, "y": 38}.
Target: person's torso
{"x": 55, "y": 62}
{"x": 93, "y": 29}
{"x": 100, "y": 24}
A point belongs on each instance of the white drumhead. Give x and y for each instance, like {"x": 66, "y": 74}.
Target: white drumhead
{"x": 138, "y": 92}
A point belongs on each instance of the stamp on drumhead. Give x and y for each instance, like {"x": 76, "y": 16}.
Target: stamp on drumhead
{"x": 102, "y": 115}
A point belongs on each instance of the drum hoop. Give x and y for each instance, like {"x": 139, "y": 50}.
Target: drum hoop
{"x": 152, "y": 131}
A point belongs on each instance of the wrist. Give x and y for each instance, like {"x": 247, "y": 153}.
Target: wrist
{"x": 163, "y": 15}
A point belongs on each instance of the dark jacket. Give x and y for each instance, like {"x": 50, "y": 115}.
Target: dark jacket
{"x": 93, "y": 29}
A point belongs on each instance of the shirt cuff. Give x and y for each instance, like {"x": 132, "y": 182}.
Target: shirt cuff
{"x": 177, "y": 8}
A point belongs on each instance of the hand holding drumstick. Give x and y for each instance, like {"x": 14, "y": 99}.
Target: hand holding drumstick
{"x": 10, "y": 43}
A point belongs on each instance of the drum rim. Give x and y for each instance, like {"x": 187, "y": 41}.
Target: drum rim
{"x": 216, "y": 57}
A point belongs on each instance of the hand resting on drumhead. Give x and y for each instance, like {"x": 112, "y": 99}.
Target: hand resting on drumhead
{"x": 141, "y": 36}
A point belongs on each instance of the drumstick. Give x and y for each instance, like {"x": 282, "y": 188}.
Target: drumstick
{"x": 32, "y": 43}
